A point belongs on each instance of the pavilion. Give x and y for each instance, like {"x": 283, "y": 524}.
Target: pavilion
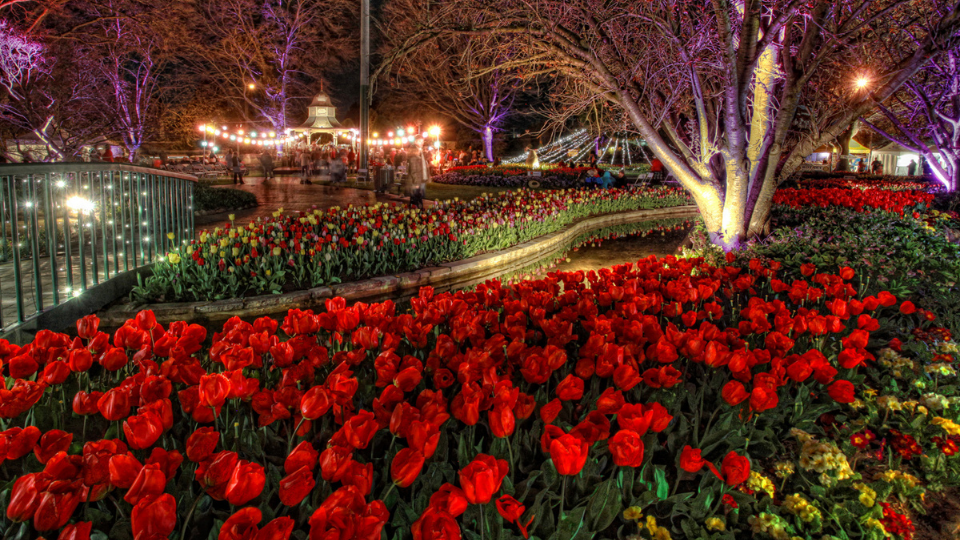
{"x": 322, "y": 118}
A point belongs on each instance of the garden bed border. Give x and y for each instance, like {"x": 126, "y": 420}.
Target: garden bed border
{"x": 455, "y": 274}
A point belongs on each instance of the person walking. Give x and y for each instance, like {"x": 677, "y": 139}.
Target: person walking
{"x": 305, "y": 166}
{"x": 876, "y": 166}
{"x": 266, "y": 162}
{"x": 418, "y": 174}
{"x": 338, "y": 171}
{"x": 912, "y": 168}
{"x": 234, "y": 164}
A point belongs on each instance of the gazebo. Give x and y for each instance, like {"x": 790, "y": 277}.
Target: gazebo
{"x": 322, "y": 118}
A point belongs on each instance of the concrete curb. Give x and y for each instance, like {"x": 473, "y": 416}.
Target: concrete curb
{"x": 452, "y": 275}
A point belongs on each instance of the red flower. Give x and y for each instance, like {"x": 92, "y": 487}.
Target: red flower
{"x": 626, "y": 448}
{"x": 52, "y": 442}
{"x": 303, "y": 455}
{"x": 242, "y": 525}
{"x": 762, "y": 399}
{"x": 841, "y": 391}
{"x": 76, "y": 531}
{"x": 610, "y": 401}
{"x": 406, "y": 467}
{"x": 315, "y": 403}
{"x": 143, "y": 430}
{"x": 114, "y": 405}
{"x": 512, "y": 510}
{"x": 24, "y": 498}
{"x": 214, "y": 389}
{"x": 154, "y": 517}
{"x": 569, "y": 454}
{"x": 296, "y": 485}
{"x": 148, "y": 483}
{"x": 450, "y": 499}
{"x": 735, "y": 469}
{"x": 734, "y": 393}
{"x": 201, "y": 444}
{"x": 360, "y": 429}
{"x": 87, "y": 326}
{"x": 482, "y": 477}
{"x": 245, "y": 483}
{"x": 124, "y": 469}
{"x": 21, "y": 441}
{"x": 435, "y": 524}
{"x": 278, "y": 529}
{"x": 690, "y": 459}
{"x": 570, "y": 388}
{"x": 908, "y": 308}
{"x": 549, "y": 412}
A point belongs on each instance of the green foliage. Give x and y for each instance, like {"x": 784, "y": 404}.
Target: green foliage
{"x": 206, "y": 198}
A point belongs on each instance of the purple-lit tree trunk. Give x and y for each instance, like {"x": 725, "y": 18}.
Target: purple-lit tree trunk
{"x": 714, "y": 87}
{"x": 924, "y": 117}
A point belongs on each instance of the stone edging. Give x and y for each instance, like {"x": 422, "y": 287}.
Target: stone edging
{"x": 456, "y": 274}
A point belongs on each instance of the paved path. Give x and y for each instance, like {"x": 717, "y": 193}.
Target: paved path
{"x": 288, "y": 193}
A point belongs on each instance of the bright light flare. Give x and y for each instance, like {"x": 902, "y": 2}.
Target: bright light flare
{"x": 79, "y": 204}
{"x": 862, "y": 82}
{"x": 435, "y": 131}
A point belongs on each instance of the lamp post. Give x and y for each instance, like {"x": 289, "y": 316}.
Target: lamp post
{"x": 364, "y": 88}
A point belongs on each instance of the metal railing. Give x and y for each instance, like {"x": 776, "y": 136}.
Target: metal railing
{"x": 65, "y": 227}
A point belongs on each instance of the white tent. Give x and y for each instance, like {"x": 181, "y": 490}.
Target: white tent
{"x": 896, "y": 159}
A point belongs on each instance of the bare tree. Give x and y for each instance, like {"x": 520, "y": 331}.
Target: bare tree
{"x": 269, "y": 55}
{"x": 714, "y": 87}
{"x": 451, "y": 76}
{"x": 924, "y": 117}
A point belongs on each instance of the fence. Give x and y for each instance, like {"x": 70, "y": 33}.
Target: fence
{"x": 66, "y": 227}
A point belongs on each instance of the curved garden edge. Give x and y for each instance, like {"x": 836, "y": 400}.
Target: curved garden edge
{"x": 455, "y": 274}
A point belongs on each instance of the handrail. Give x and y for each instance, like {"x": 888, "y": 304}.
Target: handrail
{"x": 68, "y": 227}
{"x": 83, "y": 166}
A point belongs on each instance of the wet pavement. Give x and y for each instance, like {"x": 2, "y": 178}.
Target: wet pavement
{"x": 623, "y": 250}
{"x": 288, "y": 193}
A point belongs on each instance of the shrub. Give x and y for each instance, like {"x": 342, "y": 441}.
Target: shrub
{"x": 207, "y": 198}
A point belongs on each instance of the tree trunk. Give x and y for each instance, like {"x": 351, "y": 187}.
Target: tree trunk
{"x": 487, "y": 136}
{"x": 843, "y": 164}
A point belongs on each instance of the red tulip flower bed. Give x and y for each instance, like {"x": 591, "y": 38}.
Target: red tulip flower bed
{"x": 565, "y": 408}
{"x": 859, "y": 200}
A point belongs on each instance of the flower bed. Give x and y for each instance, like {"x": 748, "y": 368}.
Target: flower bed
{"x": 666, "y": 398}
{"x": 860, "y": 200}
{"x": 890, "y": 183}
{"x": 549, "y": 180}
{"x": 309, "y": 250}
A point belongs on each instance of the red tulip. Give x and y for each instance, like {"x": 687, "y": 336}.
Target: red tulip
{"x": 762, "y": 399}
{"x": 214, "y": 389}
{"x": 154, "y": 517}
{"x": 907, "y": 308}
{"x": 87, "y": 326}
{"x": 76, "y": 531}
{"x": 55, "y": 510}
{"x": 315, "y": 403}
{"x": 277, "y": 529}
{"x": 80, "y": 360}
{"x": 201, "y": 444}
{"x": 56, "y": 372}
{"x": 142, "y": 430}
{"x": 169, "y": 461}
{"x": 22, "y": 441}
{"x": 296, "y": 485}
{"x": 841, "y": 391}
{"x": 570, "y": 388}
{"x": 114, "y": 359}
{"x": 626, "y": 448}
{"x": 424, "y": 437}
{"x": 690, "y": 459}
{"x": 146, "y": 320}
{"x": 52, "y": 442}
{"x": 242, "y": 525}
{"x": 149, "y": 483}
{"x": 215, "y": 473}
{"x": 360, "y": 429}
{"x": 569, "y": 454}
{"x": 735, "y": 469}
{"x": 124, "y": 469}
{"x": 502, "y": 422}
{"x": 114, "y": 405}
{"x": 303, "y": 455}
{"x": 734, "y": 393}
{"x": 435, "y": 524}
{"x": 510, "y": 509}
{"x": 24, "y": 498}
{"x": 481, "y": 478}
{"x": 245, "y": 483}
{"x": 333, "y": 463}
{"x": 450, "y": 499}
{"x": 549, "y": 412}
{"x": 406, "y": 467}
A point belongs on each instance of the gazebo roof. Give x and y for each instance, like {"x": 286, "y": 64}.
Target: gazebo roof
{"x": 322, "y": 116}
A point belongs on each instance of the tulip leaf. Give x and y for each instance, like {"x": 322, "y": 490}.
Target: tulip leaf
{"x": 24, "y": 531}
{"x": 605, "y": 505}
{"x": 660, "y": 479}
{"x": 573, "y": 526}
{"x": 550, "y": 475}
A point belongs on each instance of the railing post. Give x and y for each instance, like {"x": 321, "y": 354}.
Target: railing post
{"x": 31, "y": 206}
{"x": 15, "y": 239}
{"x": 50, "y": 220}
